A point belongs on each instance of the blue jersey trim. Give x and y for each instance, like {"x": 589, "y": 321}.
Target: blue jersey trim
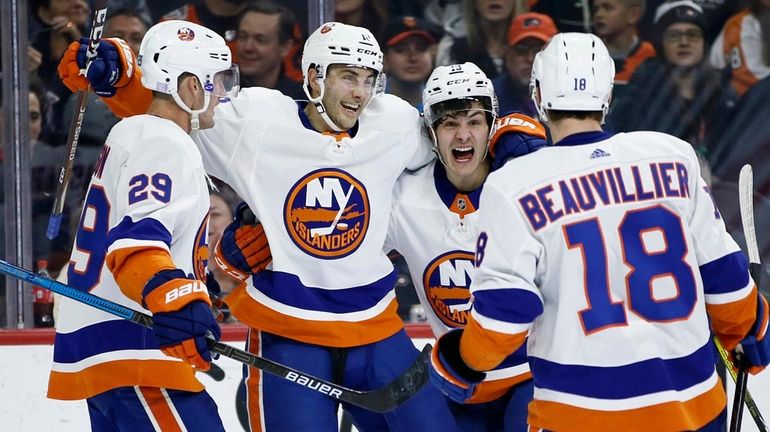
{"x": 144, "y": 229}
{"x": 115, "y": 335}
{"x": 621, "y": 382}
{"x": 287, "y": 289}
{"x": 511, "y": 305}
{"x": 448, "y": 192}
{"x": 581, "y": 138}
{"x": 727, "y": 274}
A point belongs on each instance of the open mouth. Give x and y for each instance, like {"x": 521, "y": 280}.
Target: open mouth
{"x": 350, "y": 109}
{"x": 463, "y": 154}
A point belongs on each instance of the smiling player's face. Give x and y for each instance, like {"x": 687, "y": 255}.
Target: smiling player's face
{"x": 347, "y": 91}
{"x": 462, "y": 139}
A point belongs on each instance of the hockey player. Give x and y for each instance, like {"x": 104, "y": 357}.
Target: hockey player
{"x": 434, "y": 225}
{"x": 319, "y": 176}
{"x": 142, "y": 242}
{"x": 609, "y": 253}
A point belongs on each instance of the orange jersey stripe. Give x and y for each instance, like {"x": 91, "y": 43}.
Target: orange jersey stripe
{"x": 483, "y": 349}
{"x": 339, "y": 334}
{"x": 254, "y": 384}
{"x": 158, "y": 405}
{"x": 122, "y": 373}
{"x": 670, "y": 416}
{"x": 133, "y": 267}
{"x": 732, "y": 321}
{"x": 492, "y": 390}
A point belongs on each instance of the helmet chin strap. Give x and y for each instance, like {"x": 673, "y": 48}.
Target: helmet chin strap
{"x": 194, "y": 114}
{"x": 319, "y": 107}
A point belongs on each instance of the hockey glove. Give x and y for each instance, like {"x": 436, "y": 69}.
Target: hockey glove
{"x": 515, "y": 135}
{"x": 449, "y": 373}
{"x": 756, "y": 346}
{"x": 182, "y": 317}
{"x": 243, "y": 249}
{"x": 111, "y": 69}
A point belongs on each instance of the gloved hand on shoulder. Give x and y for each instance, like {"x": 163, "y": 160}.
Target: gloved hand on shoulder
{"x": 182, "y": 317}
{"x": 515, "y": 135}
{"x": 243, "y": 249}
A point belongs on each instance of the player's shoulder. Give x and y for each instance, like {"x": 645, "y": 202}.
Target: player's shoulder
{"x": 391, "y": 110}
{"x": 413, "y": 185}
{"x": 259, "y": 102}
{"x": 653, "y": 143}
{"x": 145, "y": 133}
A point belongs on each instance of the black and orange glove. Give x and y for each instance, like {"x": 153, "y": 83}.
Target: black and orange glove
{"x": 243, "y": 249}
{"x": 515, "y": 135}
{"x": 182, "y": 317}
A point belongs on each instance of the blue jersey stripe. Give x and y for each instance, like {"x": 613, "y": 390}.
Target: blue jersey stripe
{"x": 727, "y": 274}
{"x": 145, "y": 229}
{"x": 287, "y": 289}
{"x": 100, "y": 338}
{"x": 621, "y": 382}
{"x": 511, "y": 305}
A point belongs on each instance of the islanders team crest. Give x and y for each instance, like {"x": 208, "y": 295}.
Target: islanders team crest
{"x": 446, "y": 281}
{"x": 327, "y": 213}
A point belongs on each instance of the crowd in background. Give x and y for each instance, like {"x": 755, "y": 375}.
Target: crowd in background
{"x": 694, "y": 69}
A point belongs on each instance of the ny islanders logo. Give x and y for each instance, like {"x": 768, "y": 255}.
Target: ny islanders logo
{"x": 446, "y": 281}
{"x": 201, "y": 250}
{"x": 327, "y": 213}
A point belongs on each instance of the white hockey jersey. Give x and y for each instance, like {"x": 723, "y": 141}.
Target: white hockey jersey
{"x": 609, "y": 251}
{"x": 324, "y": 202}
{"x": 148, "y": 190}
{"x": 434, "y": 227}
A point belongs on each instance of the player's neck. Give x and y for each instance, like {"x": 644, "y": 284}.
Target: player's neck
{"x": 469, "y": 182}
{"x": 169, "y": 110}
{"x": 318, "y": 123}
{"x": 561, "y": 129}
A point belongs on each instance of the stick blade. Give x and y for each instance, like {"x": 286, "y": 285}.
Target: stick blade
{"x": 54, "y": 223}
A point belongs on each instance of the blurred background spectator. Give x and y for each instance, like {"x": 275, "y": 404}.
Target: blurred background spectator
{"x": 485, "y": 38}
{"x": 527, "y": 35}
{"x": 570, "y": 16}
{"x": 53, "y": 25}
{"x": 743, "y": 46}
{"x": 615, "y": 22}
{"x": 715, "y": 13}
{"x": 265, "y": 38}
{"x": 409, "y": 46}
{"x": 372, "y": 14}
{"x": 218, "y": 15}
{"x": 223, "y": 203}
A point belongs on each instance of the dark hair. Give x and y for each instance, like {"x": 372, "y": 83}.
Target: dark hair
{"x": 447, "y": 107}
{"x": 224, "y": 191}
{"x": 555, "y": 115}
{"x": 129, "y": 12}
{"x": 37, "y": 88}
{"x": 286, "y": 18}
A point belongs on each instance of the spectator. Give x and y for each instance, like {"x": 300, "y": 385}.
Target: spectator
{"x": 128, "y": 24}
{"x": 715, "y": 14}
{"x": 528, "y": 34}
{"x": 686, "y": 90}
{"x": 743, "y": 45}
{"x": 486, "y": 28}
{"x": 569, "y": 16}
{"x": 410, "y": 51}
{"x": 51, "y": 29}
{"x": 223, "y": 201}
{"x": 221, "y": 16}
{"x": 448, "y": 14}
{"x": 615, "y": 22}
{"x": 370, "y": 14}
{"x": 265, "y": 38}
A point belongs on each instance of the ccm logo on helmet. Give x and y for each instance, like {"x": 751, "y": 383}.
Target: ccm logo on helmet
{"x": 458, "y": 81}
{"x": 186, "y": 289}
{"x": 367, "y": 51}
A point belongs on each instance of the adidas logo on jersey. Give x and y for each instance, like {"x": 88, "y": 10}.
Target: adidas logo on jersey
{"x": 599, "y": 153}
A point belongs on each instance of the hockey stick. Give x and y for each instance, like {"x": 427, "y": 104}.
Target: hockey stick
{"x": 746, "y": 196}
{"x": 748, "y": 400}
{"x": 381, "y": 400}
{"x": 73, "y": 137}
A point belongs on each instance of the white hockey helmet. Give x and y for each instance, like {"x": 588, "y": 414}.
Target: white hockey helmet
{"x": 172, "y": 48}
{"x": 338, "y": 43}
{"x": 457, "y": 82}
{"x": 573, "y": 72}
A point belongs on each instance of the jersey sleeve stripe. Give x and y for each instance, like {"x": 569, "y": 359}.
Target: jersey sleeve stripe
{"x": 641, "y": 378}
{"x": 71, "y": 347}
{"x": 726, "y": 274}
{"x": 510, "y": 305}
{"x": 142, "y": 232}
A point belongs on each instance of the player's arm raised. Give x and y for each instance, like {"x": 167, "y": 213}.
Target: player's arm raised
{"x": 114, "y": 75}
{"x": 515, "y": 135}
